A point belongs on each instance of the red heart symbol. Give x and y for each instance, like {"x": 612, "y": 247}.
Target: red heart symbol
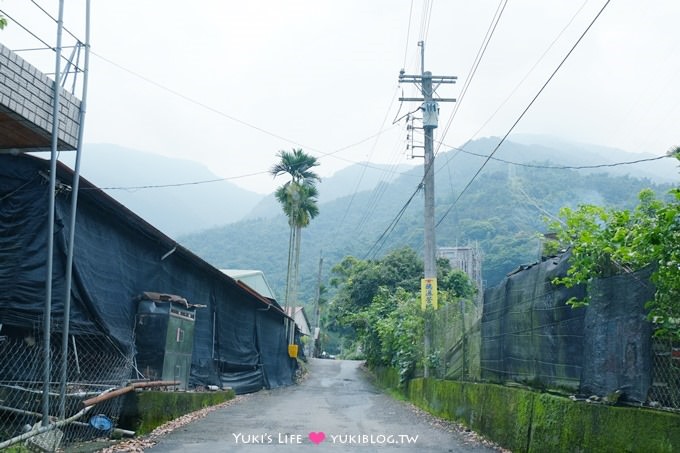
{"x": 317, "y": 438}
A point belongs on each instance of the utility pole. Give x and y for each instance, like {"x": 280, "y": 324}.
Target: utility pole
{"x": 430, "y": 108}
{"x": 317, "y": 308}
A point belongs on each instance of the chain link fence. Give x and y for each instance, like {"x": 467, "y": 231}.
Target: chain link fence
{"x": 665, "y": 389}
{"x": 95, "y": 365}
{"x": 456, "y": 340}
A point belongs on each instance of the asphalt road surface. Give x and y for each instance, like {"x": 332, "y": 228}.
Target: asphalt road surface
{"x": 335, "y": 408}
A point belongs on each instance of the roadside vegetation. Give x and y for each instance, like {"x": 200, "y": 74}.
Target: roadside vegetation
{"x": 377, "y": 308}
{"x": 608, "y": 241}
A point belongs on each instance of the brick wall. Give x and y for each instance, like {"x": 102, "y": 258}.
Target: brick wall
{"x": 26, "y": 97}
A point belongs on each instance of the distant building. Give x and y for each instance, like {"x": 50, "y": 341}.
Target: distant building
{"x": 253, "y": 278}
{"x": 467, "y": 259}
{"x": 300, "y": 316}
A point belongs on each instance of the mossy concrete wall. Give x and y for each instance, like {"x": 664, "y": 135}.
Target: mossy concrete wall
{"x": 527, "y": 421}
{"x": 144, "y": 411}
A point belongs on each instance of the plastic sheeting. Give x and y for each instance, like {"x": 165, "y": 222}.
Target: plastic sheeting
{"x": 618, "y": 337}
{"x": 118, "y": 256}
{"x": 529, "y": 333}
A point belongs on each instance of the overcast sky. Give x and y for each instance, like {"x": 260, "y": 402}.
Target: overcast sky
{"x": 323, "y": 75}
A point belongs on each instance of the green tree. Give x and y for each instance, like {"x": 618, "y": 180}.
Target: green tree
{"x": 606, "y": 242}
{"x": 379, "y": 301}
{"x": 3, "y": 22}
{"x": 298, "y": 197}
{"x": 359, "y": 281}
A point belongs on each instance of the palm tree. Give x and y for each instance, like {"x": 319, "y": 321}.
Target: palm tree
{"x": 298, "y": 197}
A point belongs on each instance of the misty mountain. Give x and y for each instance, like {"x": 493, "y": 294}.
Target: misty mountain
{"x": 173, "y": 210}
{"x": 502, "y": 211}
{"x": 660, "y": 171}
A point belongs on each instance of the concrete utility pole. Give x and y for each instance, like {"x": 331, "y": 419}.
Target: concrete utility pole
{"x": 430, "y": 110}
{"x": 317, "y": 308}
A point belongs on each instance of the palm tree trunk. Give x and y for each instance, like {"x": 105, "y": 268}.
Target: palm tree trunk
{"x": 296, "y": 273}
{"x": 289, "y": 279}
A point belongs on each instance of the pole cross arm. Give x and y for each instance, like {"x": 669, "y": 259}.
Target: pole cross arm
{"x": 423, "y": 100}
{"x": 419, "y": 78}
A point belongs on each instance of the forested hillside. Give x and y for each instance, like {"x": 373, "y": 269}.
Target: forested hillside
{"x": 503, "y": 211}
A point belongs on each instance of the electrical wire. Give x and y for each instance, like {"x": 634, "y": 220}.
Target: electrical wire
{"x": 521, "y": 82}
{"x": 427, "y": 16}
{"x": 478, "y": 58}
{"x": 245, "y": 123}
{"x": 42, "y": 41}
{"x": 473, "y": 69}
{"x": 199, "y": 103}
{"x": 14, "y": 21}
{"x": 370, "y": 154}
{"x": 55, "y": 20}
{"x": 560, "y": 167}
{"x": 377, "y": 195}
{"x": 408, "y": 33}
{"x": 180, "y": 184}
{"x": 377, "y": 245}
{"x": 526, "y": 109}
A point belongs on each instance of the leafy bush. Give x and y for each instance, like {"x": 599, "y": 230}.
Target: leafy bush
{"x": 606, "y": 242}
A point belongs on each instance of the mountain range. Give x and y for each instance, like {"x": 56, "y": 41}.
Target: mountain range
{"x": 367, "y": 210}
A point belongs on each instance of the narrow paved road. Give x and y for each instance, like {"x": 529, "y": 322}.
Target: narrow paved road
{"x": 337, "y": 406}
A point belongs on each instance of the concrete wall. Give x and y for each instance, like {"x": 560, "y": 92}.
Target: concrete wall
{"x": 528, "y": 421}
{"x": 26, "y": 107}
{"x": 144, "y": 411}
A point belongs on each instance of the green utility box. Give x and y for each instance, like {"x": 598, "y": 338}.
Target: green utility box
{"x": 164, "y": 336}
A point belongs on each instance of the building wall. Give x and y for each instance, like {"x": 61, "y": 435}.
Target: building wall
{"x": 26, "y": 96}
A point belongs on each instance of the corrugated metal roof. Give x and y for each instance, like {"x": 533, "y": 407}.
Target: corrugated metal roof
{"x": 255, "y": 279}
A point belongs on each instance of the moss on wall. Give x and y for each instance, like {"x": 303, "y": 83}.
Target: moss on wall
{"x": 562, "y": 425}
{"x": 527, "y": 421}
{"x": 500, "y": 413}
{"x": 387, "y": 377}
{"x": 144, "y": 411}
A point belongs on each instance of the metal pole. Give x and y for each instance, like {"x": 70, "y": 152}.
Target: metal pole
{"x": 72, "y": 223}
{"x": 50, "y": 221}
{"x": 317, "y": 312}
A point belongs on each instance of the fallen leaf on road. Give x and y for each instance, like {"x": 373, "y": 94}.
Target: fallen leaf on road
{"x": 138, "y": 445}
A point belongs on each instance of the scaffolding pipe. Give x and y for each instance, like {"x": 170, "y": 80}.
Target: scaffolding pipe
{"x": 44, "y": 428}
{"x": 118, "y": 431}
{"x": 50, "y": 223}
{"x": 72, "y": 222}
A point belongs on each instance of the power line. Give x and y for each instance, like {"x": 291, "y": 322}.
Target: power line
{"x": 208, "y": 181}
{"x": 14, "y": 21}
{"x": 379, "y": 192}
{"x": 42, "y": 41}
{"x": 242, "y": 122}
{"x": 561, "y": 167}
{"x": 200, "y": 104}
{"x": 408, "y": 32}
{"x": 55, "y": 20}
{"x": 519, "y": 84}
{"x": 392, "y": 225}
{"x": 363, "y": 171}
{"x": 427, "y": 23}
{"x": 526, "y": 109}
{"x": 478, "y": 59}
{"x": 180, "y": 184}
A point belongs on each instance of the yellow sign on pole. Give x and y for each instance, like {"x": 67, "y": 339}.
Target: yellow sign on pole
{"x": 428, "y": 293}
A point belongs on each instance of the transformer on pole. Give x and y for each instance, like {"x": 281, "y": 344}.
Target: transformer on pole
{"x": 430, "y": 108}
